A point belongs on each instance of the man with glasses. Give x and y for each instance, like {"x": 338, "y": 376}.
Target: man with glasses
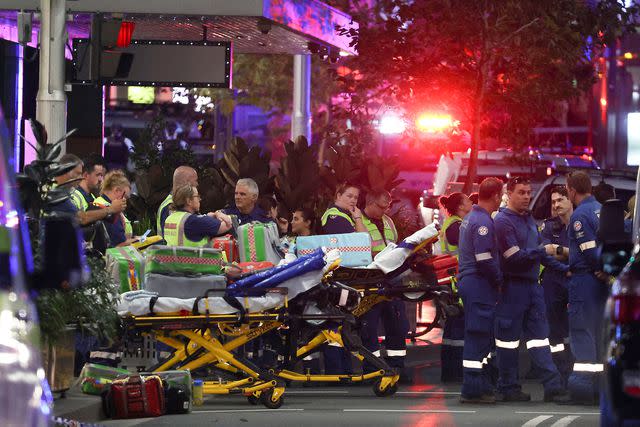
{"x": 393, "y": 314}
{"x": 521, "y": 310}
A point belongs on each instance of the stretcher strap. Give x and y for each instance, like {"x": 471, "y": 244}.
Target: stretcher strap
{"x": 152, "y": 302}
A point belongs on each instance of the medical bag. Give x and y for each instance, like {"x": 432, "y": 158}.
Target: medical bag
{"x": 228, "y": 245}
{"x": 440, "y": 269}
{"x": 259, "y": 241}
{"x": 182, "y": 260}
{"x": 134, "y": 397}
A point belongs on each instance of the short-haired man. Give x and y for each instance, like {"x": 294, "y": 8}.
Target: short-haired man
{"x": 70, "y": 181}
{"x": 479, "y": 281}
{"x": 587, "y": 294}
{"x": 554, "y": 281}
{"x": 93, "y": 170}
{"x": 246, "y": 200}
{"x": 393, "y": 313}
{"x": 183, "y": 175}
{"x": 521, "y": 311}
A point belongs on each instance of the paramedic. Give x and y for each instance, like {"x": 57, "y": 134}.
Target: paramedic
{"x": 184, "y": 227}
{"x": 521, "y": 310}
{"x": 342, "y": 217}
{"x": 587, "y": 294}
{"x": 479, "y": 281}
{"x": 183, "y": 175}
{"x": 457, "y": 206}
{"x": 393, "y": 313}
{"x": 554, "y": 282}
{"x": 115, "y": 187}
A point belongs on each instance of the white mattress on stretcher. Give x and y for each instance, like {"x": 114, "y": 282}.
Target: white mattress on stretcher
{"x": 137, "y": 302}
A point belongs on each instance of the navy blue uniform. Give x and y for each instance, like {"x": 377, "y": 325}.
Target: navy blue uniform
{"x": 556, "y": 297}
{"x": 198, "y": 227}
{"x": 521, "y": 311}
{"x": 115, "y": 227}
{"x": 479, "y": 280}
{"x": 587, "y": 297}
{"x": 256, "y": 214}
{"x": 453, "y": 331}
{"x": 336, "y": 359}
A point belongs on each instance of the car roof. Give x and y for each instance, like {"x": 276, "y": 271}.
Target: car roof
{"x": 620, "y": 182}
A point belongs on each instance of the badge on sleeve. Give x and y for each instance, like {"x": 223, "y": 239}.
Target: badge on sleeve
{"x": 577, "y": 226}
{"x": 483, "y": 231}
{"x": 542, "y": 226}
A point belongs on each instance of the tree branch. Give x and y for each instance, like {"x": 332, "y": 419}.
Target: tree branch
{"x": 519, "y": 30}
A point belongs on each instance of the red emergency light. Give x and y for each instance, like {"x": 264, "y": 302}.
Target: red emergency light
{"x": 125, "y": 34}
{"x": 433, "y": 123}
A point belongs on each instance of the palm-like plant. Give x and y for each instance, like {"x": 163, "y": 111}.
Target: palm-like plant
{"x": 298, "y": 178}
{"x": 240, "y": 161}
{"x": 36, "y": 183}
{"x": 380, "y": 173}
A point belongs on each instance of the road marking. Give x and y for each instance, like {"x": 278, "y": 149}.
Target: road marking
{"x": 456, "y": 393}
{"x": 414, "y": 411}
{"x": 562, "y": 422}
{"x": 236, "y": 411}
{"x": 556, "y": 413}
{"x": 537, "y": 420}
{"x": 316, "y": 392}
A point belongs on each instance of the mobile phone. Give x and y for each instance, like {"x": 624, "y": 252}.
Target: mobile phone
{"x": 144, "y": 236}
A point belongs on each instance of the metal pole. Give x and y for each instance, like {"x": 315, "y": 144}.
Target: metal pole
{"x": 301, "y": 119}
{"x": 51, "y": 101}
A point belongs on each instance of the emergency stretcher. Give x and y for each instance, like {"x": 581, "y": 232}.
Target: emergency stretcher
{"x": 208, "y": 331}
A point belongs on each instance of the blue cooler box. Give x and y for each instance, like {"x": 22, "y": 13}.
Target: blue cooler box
{"x": 355, "y": 248}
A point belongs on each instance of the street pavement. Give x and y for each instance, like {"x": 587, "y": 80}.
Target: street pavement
{"x": 425, "y": 403}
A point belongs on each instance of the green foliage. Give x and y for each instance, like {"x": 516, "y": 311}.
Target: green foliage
{"x": 298, "y": 177}
{"x": 240, "y": 161}
{"x": 380, "y": 173}
{"x": 35, "y": 184}
{"x": 154, "y": 168}
{"x": 91, "y": 308}
{"x": 478, "y": 60}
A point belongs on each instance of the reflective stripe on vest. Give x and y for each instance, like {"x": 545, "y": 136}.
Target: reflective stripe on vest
{"x": 78, "y": 200}
{"x": 166, "y": 202}
{"x": 444, "y": 244}
{"x": 337, "y": 212}
{"x": 174, "y": 231}
{"x": 126, "y": 224}
{"x": 377, "y": 242}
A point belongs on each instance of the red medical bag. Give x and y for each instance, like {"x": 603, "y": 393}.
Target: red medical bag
{"x": 440, "y": 268}
{"x": 136, "y": 397}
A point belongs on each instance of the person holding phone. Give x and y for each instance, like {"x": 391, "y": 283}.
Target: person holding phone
{"x": 115, "y": 187}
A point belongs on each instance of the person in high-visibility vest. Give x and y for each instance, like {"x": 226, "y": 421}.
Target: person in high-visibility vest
{"x": 340, "y": 218}
{"x": 343, "y": 216}
{"x": 457, "y": 206}
{"x": 93, "y": 171}
{"x": 116, "y": 186}
{"x": 183, "y": 175}
{"x": 184, "y": 227}
{"x": 392, "y": 313}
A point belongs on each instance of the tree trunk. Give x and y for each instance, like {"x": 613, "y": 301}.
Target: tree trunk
{"x": 476, "y": 122}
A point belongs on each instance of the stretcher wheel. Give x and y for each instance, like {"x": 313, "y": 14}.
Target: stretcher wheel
{"x": 266, "y": 399}
{"x": 252, "y": 399}
{"x": 389, "y": 391}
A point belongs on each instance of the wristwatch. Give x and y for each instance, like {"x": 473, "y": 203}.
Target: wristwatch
{"x": 559, "y": 250}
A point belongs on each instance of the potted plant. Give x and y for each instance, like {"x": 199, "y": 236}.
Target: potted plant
{"x": 63, "y": 311}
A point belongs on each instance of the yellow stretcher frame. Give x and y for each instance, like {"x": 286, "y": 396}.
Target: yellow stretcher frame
{"x": 220, "y": 355}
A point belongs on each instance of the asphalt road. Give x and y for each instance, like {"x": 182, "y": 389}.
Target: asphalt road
{"x": 357, "y": 406}
{"x": 427, "y": 403}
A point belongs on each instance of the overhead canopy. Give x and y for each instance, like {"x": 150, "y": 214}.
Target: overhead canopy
{"x": 290, "y": 25}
